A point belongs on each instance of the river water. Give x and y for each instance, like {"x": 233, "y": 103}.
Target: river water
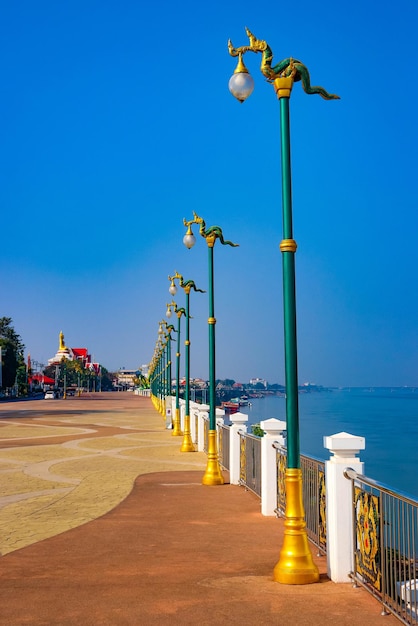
{"x": 386, "y": 417}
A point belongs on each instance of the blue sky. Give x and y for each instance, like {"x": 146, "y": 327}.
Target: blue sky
{"x": 117, "y": 123}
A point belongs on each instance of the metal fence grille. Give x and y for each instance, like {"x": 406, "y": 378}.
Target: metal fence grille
{"x": 281, "y": 464}
{"x": 250, "y": 462}
{"x": 385, "y": 546}
{"x": 205, "y": 434}
{"x": 223, "y": 446}
{"x": 314, "y": 503}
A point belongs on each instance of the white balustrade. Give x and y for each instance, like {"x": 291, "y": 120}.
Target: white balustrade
{"x": 203, "y": 415}
{"x": 344, "y": 448}
{"x": 275, "y": 431}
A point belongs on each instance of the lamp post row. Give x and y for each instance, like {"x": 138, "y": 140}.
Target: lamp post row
{"x": 295, "y": 565}
{"x": 213, "y": 474}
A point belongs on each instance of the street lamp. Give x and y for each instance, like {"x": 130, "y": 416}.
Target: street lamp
{"x": 163, "y": 367}
{"x": 169, "y": 328}
{"x": 156, "y": 373}
{"x": 295, "y": 565}
{"x": 213, "y": 474}
{"x": 187, "y": 445}
{"x": 179, "y": 312}
{"x": 153, "y": 376}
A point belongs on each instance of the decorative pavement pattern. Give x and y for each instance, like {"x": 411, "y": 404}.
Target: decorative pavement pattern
{"x": 56, "y": 474}
{"x": 103, "y": 522}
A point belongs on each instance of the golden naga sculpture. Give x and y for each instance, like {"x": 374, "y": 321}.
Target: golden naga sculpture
{"x": 285, "y": 69}
{"x": 213, "y": 232}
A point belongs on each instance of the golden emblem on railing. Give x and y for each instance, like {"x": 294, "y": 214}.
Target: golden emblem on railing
{"x": 281, "y": 485}
{"x": 243, "y": 461}
{"x": 367, "y": 552}
{"x": 322, "y": 525}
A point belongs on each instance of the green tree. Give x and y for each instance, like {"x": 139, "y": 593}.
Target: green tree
{"x": 72, "y": 370}
{"x": 12, "y": 352}
{"x": 106, "y": 380}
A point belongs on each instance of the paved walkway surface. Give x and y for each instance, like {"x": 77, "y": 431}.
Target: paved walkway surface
{"x": 103, "y": 521}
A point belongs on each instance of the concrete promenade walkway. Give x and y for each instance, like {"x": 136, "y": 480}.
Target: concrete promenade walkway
{"x": 103, "y": 521}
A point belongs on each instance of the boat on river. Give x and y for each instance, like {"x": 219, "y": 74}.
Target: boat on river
{"x": 230, "y": 407}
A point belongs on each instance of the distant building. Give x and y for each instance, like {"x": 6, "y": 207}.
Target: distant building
{"x": 256, "y": 381}
{"x": 145, "y": 370}
{"x": 125, "y": 378}
{"x": 72, "y": 354}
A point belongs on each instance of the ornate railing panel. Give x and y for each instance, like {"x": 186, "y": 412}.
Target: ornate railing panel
{"x": 281, "y": 464}
{"x": 205, "y": 433}
{"x": 223, "y": 446}
{"x": 250, "y": 462}
{"x": 313, "y": 481}
{"x": 385, "y": 544}
{"x": 314, "y": 500}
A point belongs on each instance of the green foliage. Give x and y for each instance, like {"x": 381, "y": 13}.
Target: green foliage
{"x": 12, "y": 352}
{"x": 106, "y": 382}
{"x": 141, "y": 381}
{"x": 257, "y": 430}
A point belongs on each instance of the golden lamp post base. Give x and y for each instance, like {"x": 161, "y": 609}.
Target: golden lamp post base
{"x": 187, "y": 445}
{"x": 295, "y": 565}
{"x": 213, "y": 474}
{"x": 177, "y": 432}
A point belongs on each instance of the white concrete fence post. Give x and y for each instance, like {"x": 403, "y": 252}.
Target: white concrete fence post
{"x": 239, "y": 422}
{"x": 219, "y": 416}
{"x": 344, "y": 448}
{"x": 203, "y": 414}
{"x": 194, "y": 410}
{"x": 219, "y": 422}
{"x": 275, "y": 431}
{"x": 182, "y": 406}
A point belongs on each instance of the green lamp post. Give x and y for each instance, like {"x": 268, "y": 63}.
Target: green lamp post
{"x": 295, "y": 565}
{"x": 155, "y": 374}
{"x": 152, "y": 375}
{"x": 213, "y": 474}
{"x": 177, "y": 432}
{"x": 163, "y": 373}
{"x": 187, "y": 445}
{"x": 169, "y": 328}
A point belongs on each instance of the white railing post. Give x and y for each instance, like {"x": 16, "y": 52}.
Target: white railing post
{"x": 238, "y": 423}
{"x": 203, "y": 414}
{"x": 220, "y": 421}
{"x": 194, "y": 408}
{"x": 339, "y": 507}
{"x": 168, "y": 413}
{"x": 182, "y": 406}
{"x": 219, "y": 416}
{"x": 275, "y": 431}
